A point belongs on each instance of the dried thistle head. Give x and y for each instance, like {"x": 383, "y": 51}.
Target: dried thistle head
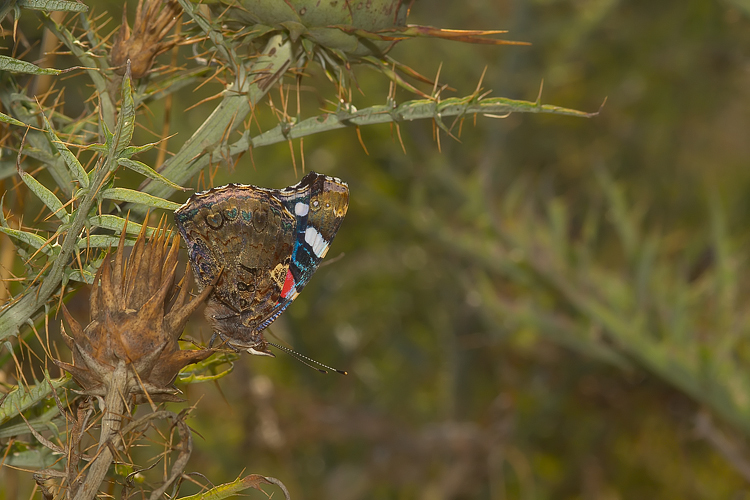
{"x": 130, "y": 323}
{"x": 146, "y": 41}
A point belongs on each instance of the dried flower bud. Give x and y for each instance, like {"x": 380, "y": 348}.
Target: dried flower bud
{"x": 129, "y": 323}
{"x": 147, "y": 39}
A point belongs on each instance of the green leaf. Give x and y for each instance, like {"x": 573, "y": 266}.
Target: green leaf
{"x": 102, "y": 241}
{"x": 33, "y": 458}
{"x": 17, "y": 66}
{"x": 51, "y": 5}
{"x": 75, "y": 167}
{"x": 209, "y": 369}
{"x": 43, "y": 155}
{"x": 115, "y": 223}
{"x": 125, "y": 126}
{"x": 87, "y": 276}
{"x": 47, "y": 197}
{"x": 149, "y": 172}
{"x": 21, "y": 399}
{"x": 134, "y": 150}
{"x": 6, "y": 6}
{"x": 99, "y": 148}
{"x": 32, "y": 240}
{"x": 45, "y": 421}
{"x": 227, "y": 490}
{"x": 9, "y": 119}
{"x": 131, "y": 196}
{"x": 3, "y": 220}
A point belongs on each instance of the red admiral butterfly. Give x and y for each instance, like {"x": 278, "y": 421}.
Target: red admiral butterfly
{"x": 260, "y": 246}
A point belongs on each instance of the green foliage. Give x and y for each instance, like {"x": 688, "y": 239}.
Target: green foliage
{"x": 537, "y": 308}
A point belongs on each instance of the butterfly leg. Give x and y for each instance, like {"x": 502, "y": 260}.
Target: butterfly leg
{"x": 224, "y": 341}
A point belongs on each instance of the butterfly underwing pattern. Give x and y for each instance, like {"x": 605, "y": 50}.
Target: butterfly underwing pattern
{"x": 260, "y": 247}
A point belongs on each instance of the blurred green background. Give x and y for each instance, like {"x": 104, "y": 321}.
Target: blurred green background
{"x": 549, "y": 307}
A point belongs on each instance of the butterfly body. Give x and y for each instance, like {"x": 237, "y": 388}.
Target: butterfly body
{"x": 260, "y": 247}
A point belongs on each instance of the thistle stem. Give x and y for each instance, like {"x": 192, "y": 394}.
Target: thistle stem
{"x": 239, "y": 99}
{"x": 111, "y": 423}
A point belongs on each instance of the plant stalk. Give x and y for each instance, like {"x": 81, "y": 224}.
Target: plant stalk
{"x": 114, "y": 409}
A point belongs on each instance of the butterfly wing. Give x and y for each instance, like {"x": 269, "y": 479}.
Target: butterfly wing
{"x": 319, "y": 203}
{"x": 243, "y": 238}
{"x": 263, "y": 245}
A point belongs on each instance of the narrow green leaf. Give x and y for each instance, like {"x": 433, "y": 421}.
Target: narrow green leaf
{"x": 75, "y": 167}
{"x": 131, "y": 196}
{"x": 50, "y": 5}
{"x": 30, "y": 239}
{"x": 43, "y": 155}
{"x": 3, "y": 220}
{"x": 92, "y": 64}
{"x": 213, "y": 368}
{"x": 33, "y": 458}
{"x": 18, "y": 66}
{"x": 227, "y": 490}
{"x": 115, "y": 223}
{"x": 20, "y": 399}
{"x": 149, "y": 172}
{"x": 102, "y": 241}
{"x": 99, "y": 148}
{"x": 108, "y": 136}
{"x": 125, "y": 122}
{"x": 87, "y": 276}
{"x": 6, "y": 6}
{"x": 47, "y": 197}
{"x": 134, "y": 150}
{"x": 42, "y": 422}
{"x": 9, "y": 119}
{"x": 88, "y": 272}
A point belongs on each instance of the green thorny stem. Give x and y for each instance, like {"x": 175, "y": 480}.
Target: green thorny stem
{"x": 240, "y": 97}
{"x": 19, "y": 313}
{"x": 348, "y": 116}
{"x": 209, "y": 143}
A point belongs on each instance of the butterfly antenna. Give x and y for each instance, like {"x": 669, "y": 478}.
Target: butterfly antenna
{"x": 304, "y": 359}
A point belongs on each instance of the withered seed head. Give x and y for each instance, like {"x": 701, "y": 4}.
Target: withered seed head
{"x": 147, "y": 39}
{"x": 129, "y": 322}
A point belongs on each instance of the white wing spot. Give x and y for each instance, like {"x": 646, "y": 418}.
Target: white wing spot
{"x": 316, "y": 241}
{"x": 301, "y": 209}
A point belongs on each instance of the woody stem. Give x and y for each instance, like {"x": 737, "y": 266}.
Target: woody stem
{"x": 111, "y": 423}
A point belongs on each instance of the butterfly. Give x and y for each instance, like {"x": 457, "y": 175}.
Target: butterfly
{"x": 259, "y": 247}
